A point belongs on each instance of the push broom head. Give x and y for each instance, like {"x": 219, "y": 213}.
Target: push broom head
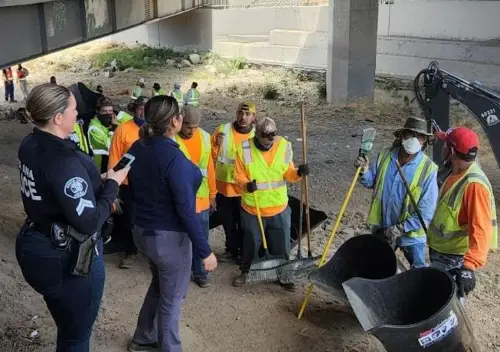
{"x": 264, "y": 270}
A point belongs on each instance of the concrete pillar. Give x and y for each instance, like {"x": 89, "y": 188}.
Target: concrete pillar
{"x": 352, "y": 50}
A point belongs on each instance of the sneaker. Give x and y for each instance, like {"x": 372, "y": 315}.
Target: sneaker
{"x": 227, "y": 257}
{"x": 139, "y": 347}
{"x": 240, "y": 280}
{"x": 127, "y": 261}
{"x": 202, "y": 282}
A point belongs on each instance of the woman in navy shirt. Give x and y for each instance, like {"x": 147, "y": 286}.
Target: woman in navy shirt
{"x": 164, "y": 185}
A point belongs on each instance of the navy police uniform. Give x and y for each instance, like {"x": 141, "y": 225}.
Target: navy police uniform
{"x": 60, "y": 183}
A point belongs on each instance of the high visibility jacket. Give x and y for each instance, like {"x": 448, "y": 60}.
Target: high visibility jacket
{"x": 445, "y": 235}
{"x": 136, "y": 91}
{"x": 123, "y": 117}
{"x": 203, "y": 191}
{"x": 224, "y": 166}
{"x": 177, "y": 94}
{"x": 160, "y": 91}
{"x": 78, "y": 136}
{"x": 193, "y": 97}
{"x": 271, "y": 185}
{"x": 424, "y": 170}
{"x": 99, "y": 140}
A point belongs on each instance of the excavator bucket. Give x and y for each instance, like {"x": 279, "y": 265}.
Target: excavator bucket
{"x": 364, "y": 256}
{"x": 317, "y": 218}
{"x": 417, "y": 310}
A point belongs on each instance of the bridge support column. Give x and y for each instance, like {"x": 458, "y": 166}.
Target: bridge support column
{"x": 352, "y": 50}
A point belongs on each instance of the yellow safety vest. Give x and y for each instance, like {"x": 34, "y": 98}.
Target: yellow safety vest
{"x": 193, "y": 97}
{"x": 177, "y": 94}
{"x": 203, "y": 191}
{"x": 271, "y": 186}
{"x": 224, "y": 166}
{"x": 82, "y": 141}
{"x": 424, "y": 170}
{"x": 160, "y": 91}
{"x": 445, "y": 235}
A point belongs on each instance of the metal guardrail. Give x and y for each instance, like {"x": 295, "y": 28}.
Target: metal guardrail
{"x": 244, "y": 4}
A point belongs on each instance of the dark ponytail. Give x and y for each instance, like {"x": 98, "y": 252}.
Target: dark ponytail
{"x": 159, "y": 112}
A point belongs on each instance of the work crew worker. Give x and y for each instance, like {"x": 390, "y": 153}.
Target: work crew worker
{"x": 78, "y": 136}
{"x": 101, "y": 130}
{"x": 194, "y": 142}
{"x": 164, "y": 184}
{"x": 464, "y": 226}
{"x": 192, "y": 96}
{"x": 137, "y": 90}
{"x": 124, "y": 136}
{"x": 177, "y": 94}
{"x": 62, "y": 194}
{"x": 392, "y": 215}
{"x": 224, "y": 143}
{"x": 263, "y": 165}
{"x": 158, "y": 90}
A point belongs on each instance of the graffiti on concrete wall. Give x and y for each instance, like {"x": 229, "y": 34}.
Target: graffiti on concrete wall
{"x": 58, "y": 21}
{"x": 98, "y": 19}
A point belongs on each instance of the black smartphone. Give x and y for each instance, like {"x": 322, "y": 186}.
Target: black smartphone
{"x": 125, "y": 161}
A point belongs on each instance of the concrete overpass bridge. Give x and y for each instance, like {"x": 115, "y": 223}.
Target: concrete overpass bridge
{"x": 33, "y": 28}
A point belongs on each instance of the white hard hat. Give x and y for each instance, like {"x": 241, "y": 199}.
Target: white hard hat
{"x": 142, "y": 80}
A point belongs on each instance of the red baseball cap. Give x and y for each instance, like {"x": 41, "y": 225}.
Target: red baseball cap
{"x": 462, "y": 139}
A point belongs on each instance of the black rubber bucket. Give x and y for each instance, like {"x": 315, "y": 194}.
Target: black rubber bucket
{"x": 364, "y": 256}
{"x": 317, "y": 217}
{"x": 417, "y": 310}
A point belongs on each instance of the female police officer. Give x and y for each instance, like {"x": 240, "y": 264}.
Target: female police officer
{"x": 66, "y": 204}
{"x": 164, "y": 185}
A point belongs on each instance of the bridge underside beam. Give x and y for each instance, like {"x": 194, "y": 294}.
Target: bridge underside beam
{"x": 40, "y": 27}
{"x": 352, "y": 50}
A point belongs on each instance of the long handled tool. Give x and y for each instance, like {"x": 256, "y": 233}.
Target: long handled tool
{"x": 366, "y": 146}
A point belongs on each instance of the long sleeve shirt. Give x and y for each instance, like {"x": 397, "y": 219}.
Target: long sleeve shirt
{"x": 475, "y": 214}
{"x": 124, "y": 136}
{"x": 164, "y": 185}
{"x": 394, "y": 194}
{"x": 240, "y": 174}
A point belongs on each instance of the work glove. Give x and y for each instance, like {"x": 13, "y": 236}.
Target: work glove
{"x": 252, "y": 186}
{"x": 362, "y": 161}
{"x": 303, "y": 170}
{"x": 392, "y": 234}
{"x": 118, "y": 205}
{"x": 466, "y": 281}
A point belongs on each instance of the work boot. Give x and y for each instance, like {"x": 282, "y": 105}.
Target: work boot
{"x": 227, "y": 257}
{"x": 202, "y": 281}
{"x": 127, "y": 261}
{"x": 138, "y": 347}
{"x": 240, "y": 280}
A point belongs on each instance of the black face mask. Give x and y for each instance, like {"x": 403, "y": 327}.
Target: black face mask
{"x": 105, "y": 119}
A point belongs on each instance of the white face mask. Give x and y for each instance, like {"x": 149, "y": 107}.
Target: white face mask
{"x": 412, "y": 145}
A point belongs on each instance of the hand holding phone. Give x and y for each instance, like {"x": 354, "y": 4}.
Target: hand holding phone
{"x": 125, "y": 161}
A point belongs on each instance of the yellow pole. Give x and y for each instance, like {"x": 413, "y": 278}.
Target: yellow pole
{"x": 330, "y": 240}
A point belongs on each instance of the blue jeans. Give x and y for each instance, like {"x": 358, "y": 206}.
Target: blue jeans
{"x": 197, "y": 265}
{"x": 415, "y": 254}
{"x": 73, "y": 301}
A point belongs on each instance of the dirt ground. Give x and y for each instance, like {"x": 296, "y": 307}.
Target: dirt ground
{"x": 223, "y": 317}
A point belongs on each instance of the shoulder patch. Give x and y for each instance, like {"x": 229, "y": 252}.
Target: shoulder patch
{"x": 75, "y": 188}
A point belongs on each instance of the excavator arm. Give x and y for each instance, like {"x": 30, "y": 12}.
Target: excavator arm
{"x": 433, "y": 89}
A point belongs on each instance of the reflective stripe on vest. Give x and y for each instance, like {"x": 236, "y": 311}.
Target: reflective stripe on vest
{"x": 224, "y": 166}
{"x": 82, "y": 141}
{"x": 424, "y": 170}
{"x": 445, "y": 235}
{"x": 204, "y": 190}
{"x": 270, "y": 183}
{"x": 193, "y": 97}
{"x": 98, "y": 148}
{"x": 178, "y": 96}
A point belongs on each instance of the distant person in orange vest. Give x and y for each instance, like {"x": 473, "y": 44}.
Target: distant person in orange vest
{"x": 8, "y": 80}
{"x": 22, "y": 73}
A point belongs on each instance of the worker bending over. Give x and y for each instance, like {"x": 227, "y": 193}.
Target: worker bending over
{"x": 224, "y": 143}
{"x": 194, "y": 142}
{"x": 392, "y": 215}
{"x": 192, "y": 96}
{"x": 464, "y": 226}
{"x": 263, "y": 165}
{"x": 101, "y": 130}
{"x": 123, "y": 138}
{"x": 157, "y": 90}
{"x": 177, "y": 94}
{"x": 138, "y": 90}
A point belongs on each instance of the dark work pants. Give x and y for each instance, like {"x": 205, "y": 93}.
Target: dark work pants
{"x": 123, "y": 222}
{"x": 169, "y": 254}
{"x": 277, "y": 229}
{"x": 197, "y": 265}
{"x": 229, "y": 210}
{"x": 73, "y": 301}
{"x": 9, "y": 91}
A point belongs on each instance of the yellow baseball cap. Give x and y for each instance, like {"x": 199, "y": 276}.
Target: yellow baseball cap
{"x": 247, "y": 106}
